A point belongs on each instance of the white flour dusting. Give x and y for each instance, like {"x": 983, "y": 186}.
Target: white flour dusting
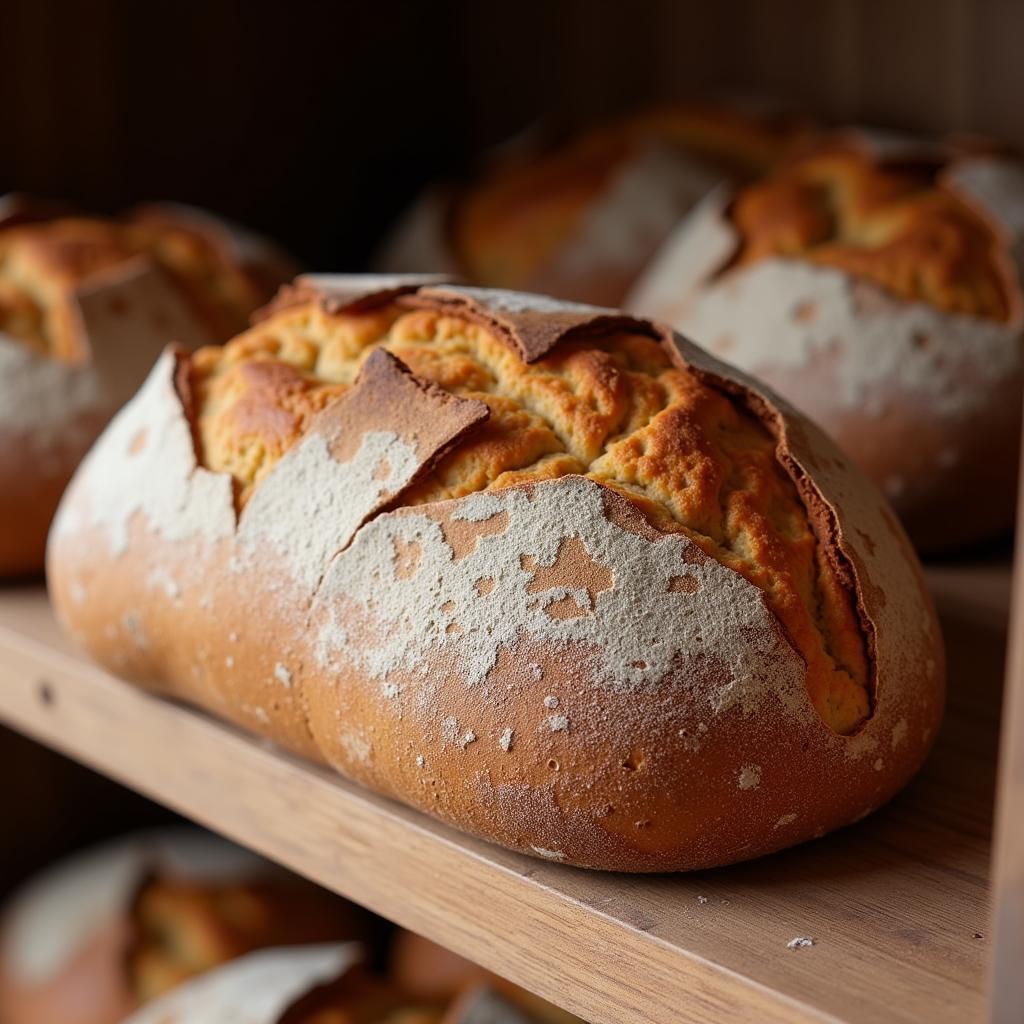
{"x": 725, "y": 622}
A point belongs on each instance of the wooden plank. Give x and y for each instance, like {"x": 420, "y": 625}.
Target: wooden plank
{"x": 1007, "y": 978}
{"x": 896, "y": 905}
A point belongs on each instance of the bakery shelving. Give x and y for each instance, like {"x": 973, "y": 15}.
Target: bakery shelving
{"x": 897, "y": 906}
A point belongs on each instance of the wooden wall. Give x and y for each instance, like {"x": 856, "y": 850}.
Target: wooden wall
{"x": 318, "y": 121}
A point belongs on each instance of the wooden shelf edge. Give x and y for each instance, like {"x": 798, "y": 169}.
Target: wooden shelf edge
{"x": 491, "y": 905}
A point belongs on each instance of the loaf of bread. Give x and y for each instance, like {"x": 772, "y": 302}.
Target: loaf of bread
{"x": 267, "y": 987}
{"x": 323, "y": 984}
{"x": 91, "y": 939}
{"x": 878, "y": 287}
{"x": 86, "y": 305}
{"x": 582, "y": 218}
{"x": 544, "y": 571}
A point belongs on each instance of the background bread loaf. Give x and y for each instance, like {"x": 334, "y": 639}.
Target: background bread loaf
{"x": 580, "y": 218}
{"x": 542, "y": 570}
{"x": 877, "y": 284}
{"x": 85, "y": 307}
{"x": 95, "y": 936}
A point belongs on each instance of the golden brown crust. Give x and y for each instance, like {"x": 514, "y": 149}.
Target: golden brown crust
{"x": 611, "y": 406}
{"x": 895, "y": 224}
{"x": 556, "y": 662}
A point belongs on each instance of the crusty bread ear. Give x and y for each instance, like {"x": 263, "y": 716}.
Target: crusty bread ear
{"x": 543, "y": 664}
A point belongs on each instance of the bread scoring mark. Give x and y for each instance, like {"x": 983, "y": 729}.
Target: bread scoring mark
{"x": 311, "y": 505}
{"x": 725, "y": 635}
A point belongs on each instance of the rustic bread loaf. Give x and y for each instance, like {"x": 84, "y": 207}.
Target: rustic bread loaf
{"x": 542, "y": 570}
{"x": 580, "y": 219}
{"x": 318, "y": 985}
{"x": 95, "y": 936}
{"x": 86, "y": 305}
{"x": 878, "y": 288}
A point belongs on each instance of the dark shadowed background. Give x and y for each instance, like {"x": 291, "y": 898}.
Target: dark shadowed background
{"x": 317, "y": 123}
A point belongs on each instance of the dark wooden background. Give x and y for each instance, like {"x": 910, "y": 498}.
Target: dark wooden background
{"x": 317, "y": 122}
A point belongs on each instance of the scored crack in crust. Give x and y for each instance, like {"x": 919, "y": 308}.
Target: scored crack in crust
{"x": 613, "y": 407}
{"x": 41, "y": 264}
{"x": 893, "y": 223}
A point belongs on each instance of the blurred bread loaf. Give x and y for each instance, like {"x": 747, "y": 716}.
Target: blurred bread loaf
{"x": 85, "y": 307}
{"x": 90, "y": 939}
{"x": 877, "y": 285}
{"x": 581, "y": 218}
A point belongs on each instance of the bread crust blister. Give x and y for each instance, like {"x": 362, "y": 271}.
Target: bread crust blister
{"x": 543, "y": 664}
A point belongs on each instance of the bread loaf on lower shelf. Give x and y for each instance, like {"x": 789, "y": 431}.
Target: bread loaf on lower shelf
{"x": 95, "y": 936}
{"x": 547, "y": 572}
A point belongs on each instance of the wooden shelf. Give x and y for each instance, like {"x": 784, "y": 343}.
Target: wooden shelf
{"x": 897, "y": 905}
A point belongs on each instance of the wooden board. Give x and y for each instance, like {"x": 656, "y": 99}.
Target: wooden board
{"x": 896, "y": 905}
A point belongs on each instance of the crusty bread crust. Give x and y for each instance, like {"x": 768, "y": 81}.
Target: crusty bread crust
{"x": 86, "y": 306}
{"x": 541, "y": 665}
{"x": 890, "y": 314}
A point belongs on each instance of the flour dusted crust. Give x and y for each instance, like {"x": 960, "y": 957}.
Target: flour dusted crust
{"x": 89, "y": 939}
{"x": 85, "y": 309}
{"x": 924, "y": 394}
{"x": 540, "y": 664}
